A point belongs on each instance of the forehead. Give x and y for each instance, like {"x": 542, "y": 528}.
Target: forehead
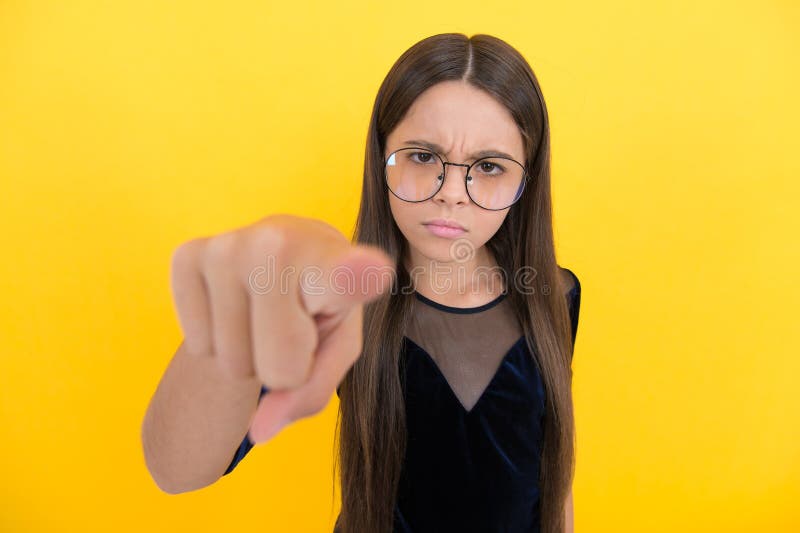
{"x": 460, "y": 118}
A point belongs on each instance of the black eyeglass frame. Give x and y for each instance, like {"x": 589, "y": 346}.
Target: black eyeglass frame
{"x": 525, "y": 176}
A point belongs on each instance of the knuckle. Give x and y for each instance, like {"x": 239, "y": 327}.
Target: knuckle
{"x": 331, "y": 230}
{"x": 185, "y": 255}
{"x": 265, "y": 242}
{"x": 221, "y": 249}
{"x": 270, "y": 239}
{"x": 307, "y": 227}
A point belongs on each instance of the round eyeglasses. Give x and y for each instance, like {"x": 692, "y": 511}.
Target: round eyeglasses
{"x": 417, "y": 174}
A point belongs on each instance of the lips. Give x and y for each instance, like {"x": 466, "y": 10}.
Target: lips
{"x": 444, "y": 223}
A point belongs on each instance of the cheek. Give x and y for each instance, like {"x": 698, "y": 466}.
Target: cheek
{"x": 401, "y": 211}
{"x": 490, "y": 223}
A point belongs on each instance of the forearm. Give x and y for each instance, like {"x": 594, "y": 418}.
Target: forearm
{"x": 196, "y": 419}
{"x": 569, "y": 518}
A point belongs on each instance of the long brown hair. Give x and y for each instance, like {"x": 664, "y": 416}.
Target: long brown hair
{"x": 371, "y": 419}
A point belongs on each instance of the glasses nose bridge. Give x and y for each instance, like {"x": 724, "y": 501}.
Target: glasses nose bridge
{"x": 462, "y": 182}
{"x": 446, "y": 163}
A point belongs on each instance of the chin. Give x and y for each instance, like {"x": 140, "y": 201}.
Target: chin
{"x": 435, "y": 249}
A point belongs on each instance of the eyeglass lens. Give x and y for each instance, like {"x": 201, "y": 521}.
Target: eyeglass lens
{"x": 416, "y": 174}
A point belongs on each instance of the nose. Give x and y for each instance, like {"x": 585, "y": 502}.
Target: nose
{"x": 454, "y": 189}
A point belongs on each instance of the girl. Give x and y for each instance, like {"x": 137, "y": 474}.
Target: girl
{"x": 457, "y": 413}
{"x": 470, "y": 463}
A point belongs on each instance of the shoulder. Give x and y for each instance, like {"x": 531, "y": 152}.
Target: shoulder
{"x": 572, "y": 291}
{"x": 570, "y": 282}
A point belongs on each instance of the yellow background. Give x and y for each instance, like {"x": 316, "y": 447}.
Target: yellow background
{"x": 129, "y": 127}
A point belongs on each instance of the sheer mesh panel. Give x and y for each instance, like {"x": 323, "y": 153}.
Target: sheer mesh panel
{"x": 467, "y": 345}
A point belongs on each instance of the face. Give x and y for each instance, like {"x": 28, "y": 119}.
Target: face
{"x": 462, "y": 120}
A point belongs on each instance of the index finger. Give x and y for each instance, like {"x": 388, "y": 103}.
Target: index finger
{"x": 354, "y": 275}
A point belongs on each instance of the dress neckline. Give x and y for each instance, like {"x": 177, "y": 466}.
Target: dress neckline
{"x": 459, "y": 310}
{"x": 518, "y": 347}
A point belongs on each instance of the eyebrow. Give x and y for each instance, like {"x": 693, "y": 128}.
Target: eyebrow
{"x": 477, "y": 155}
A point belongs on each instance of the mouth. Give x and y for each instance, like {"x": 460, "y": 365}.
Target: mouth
{"x": 444, "y": 228}
{"x": 443, "y": 223}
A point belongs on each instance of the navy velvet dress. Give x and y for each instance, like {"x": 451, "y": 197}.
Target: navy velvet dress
{"x": 474, "y": 415}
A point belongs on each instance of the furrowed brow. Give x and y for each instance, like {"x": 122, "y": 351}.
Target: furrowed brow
{"x": 439, "y": 150}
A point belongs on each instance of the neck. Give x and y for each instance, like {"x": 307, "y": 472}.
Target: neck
{"x": 467, "y": 283}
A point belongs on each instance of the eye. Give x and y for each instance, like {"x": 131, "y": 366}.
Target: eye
{"x": 421, "y": 157}
{"x": 487, "y": 167}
